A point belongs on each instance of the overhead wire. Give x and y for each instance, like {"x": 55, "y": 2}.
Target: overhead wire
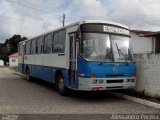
{"x": 72, "y": 16}
{"x": 118, "y": 18}
{"x": 115, "y": 18}
{"x": 37, "y": 9}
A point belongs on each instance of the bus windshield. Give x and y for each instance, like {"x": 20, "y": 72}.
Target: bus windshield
{"x": 104, "y": 48}
{"x": 96, "y": 47}
{"x": 121, "y": 48}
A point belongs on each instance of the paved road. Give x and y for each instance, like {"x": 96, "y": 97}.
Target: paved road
{"x": 19, "y": 96}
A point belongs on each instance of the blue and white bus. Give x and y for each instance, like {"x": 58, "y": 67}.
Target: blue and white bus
{"x": 90, "y": 55}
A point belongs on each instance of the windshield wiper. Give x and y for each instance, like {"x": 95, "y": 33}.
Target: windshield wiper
{"x": 121, "y": 54}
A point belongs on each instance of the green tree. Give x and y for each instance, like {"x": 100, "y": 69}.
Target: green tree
{"x": 10, "y": 46}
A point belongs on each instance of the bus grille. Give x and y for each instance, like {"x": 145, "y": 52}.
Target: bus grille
{"x": 116, "y": 87}
{"x": 115, "y": 81}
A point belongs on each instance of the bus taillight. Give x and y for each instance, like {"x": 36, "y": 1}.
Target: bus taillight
{"x": 93, "y": 75}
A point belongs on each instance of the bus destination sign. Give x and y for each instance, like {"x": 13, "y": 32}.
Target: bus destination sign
{"x": 113, "y": 29}
{"x": 104, "y": 28}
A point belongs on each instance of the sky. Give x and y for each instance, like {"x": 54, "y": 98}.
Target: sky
{"x": 33, "y": 17}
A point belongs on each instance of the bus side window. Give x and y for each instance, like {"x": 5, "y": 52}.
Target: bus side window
{"x": 62, "y": 39}
{"x": 19, "y": 49}
{"x": 47, "y": 44}
{"x": 21, "y": 52}
{"x": 59, "y": 41}
{"x": 55, "y": 41}
{"x": 27, "y": 50}
{"x": 33, "y": 46}
{"x": 40, "y": 44}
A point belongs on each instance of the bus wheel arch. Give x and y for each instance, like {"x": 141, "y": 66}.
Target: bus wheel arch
{"x": 59, "y": 81}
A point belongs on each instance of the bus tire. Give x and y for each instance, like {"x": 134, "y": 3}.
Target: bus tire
{"x": 28, "y": 77}
{"x": 60, "y": 85}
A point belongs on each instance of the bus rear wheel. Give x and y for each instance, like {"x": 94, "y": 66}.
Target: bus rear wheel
{"x": 60, "y": 85}
{"x": 28, "y": 77}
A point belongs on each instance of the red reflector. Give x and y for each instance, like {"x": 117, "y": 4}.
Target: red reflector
{"x": 97, "y": 88}
{"x": 94, "y": 76}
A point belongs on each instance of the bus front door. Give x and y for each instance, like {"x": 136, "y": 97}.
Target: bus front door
{"x": 72, "y": 62}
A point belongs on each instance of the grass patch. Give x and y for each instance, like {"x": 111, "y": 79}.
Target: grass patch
{"x": 15, "y": 68}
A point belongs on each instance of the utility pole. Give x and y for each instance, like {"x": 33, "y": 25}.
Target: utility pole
{"x": 63, "y": 20}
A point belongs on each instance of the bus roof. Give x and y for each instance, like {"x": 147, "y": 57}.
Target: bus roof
{"x": 79, "y": 23}
{"x": 103, "y": 21}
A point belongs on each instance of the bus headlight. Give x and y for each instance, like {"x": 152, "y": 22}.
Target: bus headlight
{"x": 128, "y": 80}
{"x": 96, "y": 81}
{"x": 100, "y": 81}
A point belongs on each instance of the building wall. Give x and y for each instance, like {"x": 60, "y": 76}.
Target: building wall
{"x": 148, "y": 73}
{"x": 13, "y": 61}
{"x": 1, "y": 63}
{"x": 142, "y": 44}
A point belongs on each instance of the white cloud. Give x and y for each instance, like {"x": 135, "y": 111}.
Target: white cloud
{"x": 8, "y": 19}
{"x": 44, "y": 24}
{"x": 17, "y": 19}
{"x": 91, "y": 7}
{"x": 136, "y": 13}
{"x": 26, "y": 22}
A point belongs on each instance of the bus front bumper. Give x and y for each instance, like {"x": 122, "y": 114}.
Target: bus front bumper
{"x": 96, "y": 84}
